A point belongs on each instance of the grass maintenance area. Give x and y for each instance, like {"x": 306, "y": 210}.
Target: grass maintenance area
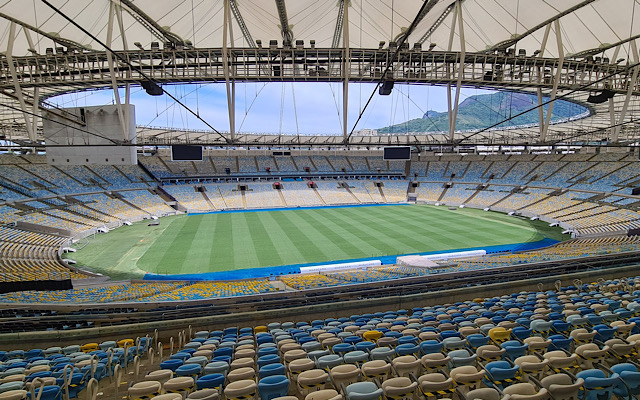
{"x": 236, "y": 240}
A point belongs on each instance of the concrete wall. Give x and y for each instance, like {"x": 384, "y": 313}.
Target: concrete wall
{"x": 93, "y": 143}
{"x": 170, "y": 328}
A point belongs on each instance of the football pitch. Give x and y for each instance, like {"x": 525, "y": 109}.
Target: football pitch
{"x": 226, "y": 241}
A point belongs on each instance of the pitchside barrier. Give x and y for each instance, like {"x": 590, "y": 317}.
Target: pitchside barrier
{"x": 340, "y": 267}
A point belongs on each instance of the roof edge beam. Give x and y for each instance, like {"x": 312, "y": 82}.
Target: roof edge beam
{"x": 243, "y": 27}
{"x": 423, "y": 13}
{"x": 438, "y": 22}
{"x": 337, "y": 33}
{"x": 16, "y": 83}
{"x": 600, "y": 49}
{"x": 287, "y": 34}
{"x": 510, "y": 42}
{"x": 150, "y": 24}
{"x": 57, "y": 39}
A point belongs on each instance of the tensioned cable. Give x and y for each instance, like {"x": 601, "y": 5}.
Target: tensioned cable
{"x": 389, "y": 65}
{"x": 335, "y": 101}
{"x": 58, "y": 122}
{"x": 140, "y": 71}
{"x": 295, "y": 110}
{"x": 282, "y": 94}
{"x": 580, "y": 88}
{"x": 596, "y": 130}
{"x": 251, "y": 105}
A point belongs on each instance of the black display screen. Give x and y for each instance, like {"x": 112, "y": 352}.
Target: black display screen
{"x": 397, "y": 153}
{"x": 186, "y": 153}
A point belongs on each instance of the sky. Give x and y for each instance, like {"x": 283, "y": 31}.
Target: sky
{"x": 275, "y": 107}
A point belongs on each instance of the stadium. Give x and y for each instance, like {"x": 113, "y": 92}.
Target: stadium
{"x": 350, "y": 243}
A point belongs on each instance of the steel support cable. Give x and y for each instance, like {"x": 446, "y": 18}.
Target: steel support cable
{"x": 389, "y": 66}
{"x": 58, "y": 122}
{"x": 138, "y": 69}
{"x": 586, "y": 86}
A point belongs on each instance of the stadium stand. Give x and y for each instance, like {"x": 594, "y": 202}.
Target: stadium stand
{"x": 224, "y": 163}
{"x": 29, "y": 256}
{"x": 156, "y": 166}
{"x": 365, "y": 192}
{"x": 214, "y": 195}
{"x": 285, "y": 164}
{"x": 205, "y": 290}
{"x": 534, "y": 344}
{"x": 436, "y": 171}
{"x": 332, "y": 193}
{"x": 266, "y": 162}
{"x": 299, "y": 194}
{"x": 429, "y": 191}
{"x": 205, "y": 167}
{"x": 118, "y": 292}
{"x": 231, "y": 196}
{"x": 262, "y": 195}
{"x": 113, "y": 194}
{"x": 458, "y": 194}
{"x": 146, "y": 201}
{"x": 181, "y": 168}
{"x": 188, "y": 197}
{"x": 112, "y": 206}
{"x": 395, "y": 191}
{"x": 320, "y": 163}
{"x": 247, "y": 165}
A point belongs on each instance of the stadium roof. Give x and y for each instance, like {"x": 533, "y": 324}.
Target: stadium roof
{"x": 586, "y": 24}
{"x": 551, "y": 29}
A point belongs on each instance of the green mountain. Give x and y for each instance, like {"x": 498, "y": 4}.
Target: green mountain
{"x": 482, "y": 111}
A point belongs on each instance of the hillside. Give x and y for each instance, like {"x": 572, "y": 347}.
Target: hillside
{"x": 481, "y": 111}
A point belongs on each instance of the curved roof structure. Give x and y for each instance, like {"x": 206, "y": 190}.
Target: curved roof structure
{"x": 568, "y": 48}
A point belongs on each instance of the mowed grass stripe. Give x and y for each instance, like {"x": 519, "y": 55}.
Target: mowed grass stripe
{"x": 222, "y": 241}
{"x": 227, "y": 241}
{"x": 427, "y": 219}
{"x": 396, "y": 238}
{"x": 287, "y": 249}
{"x": 268, "y": 254}
{"x": 376, "y": 239}
{"x": 308, "y": 241}
{"x": 329, "y": 242}
{"x": 300, "y": 241}
{"x": 153, "y": 259}
{"x": 348, "y": 242}
{"x": 400, "y": 233}
{"x": 200, "y": 251}
{"x": 179, "y": 250}
{"x": 426, "y": 227}
{"x": 246, "y": 252}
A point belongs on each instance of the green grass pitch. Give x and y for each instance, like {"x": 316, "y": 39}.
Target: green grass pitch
{"x": 227, "y": 241}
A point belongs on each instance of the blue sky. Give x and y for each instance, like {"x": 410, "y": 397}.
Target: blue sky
{"x": 270, "y": 107}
